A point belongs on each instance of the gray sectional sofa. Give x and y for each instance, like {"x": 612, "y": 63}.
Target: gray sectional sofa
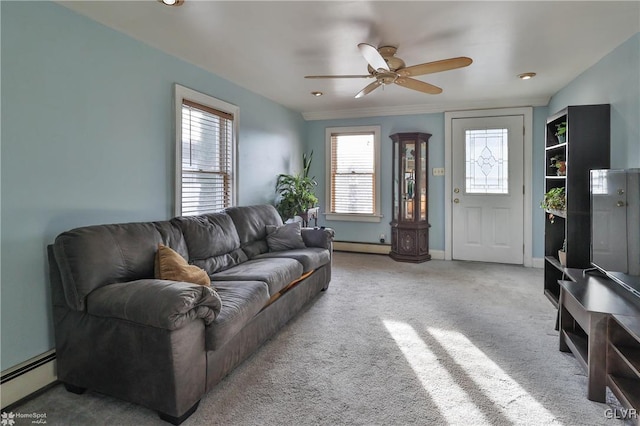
{"x": 164, "y": 344}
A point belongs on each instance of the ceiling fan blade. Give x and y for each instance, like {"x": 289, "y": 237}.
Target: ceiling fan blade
{"x": 437, "y": 66}
{"x": 370, "y": 88}
{"x": 420, "y": 86}
{"x": 338, "y": 76}
{"x": 373, "y": 57}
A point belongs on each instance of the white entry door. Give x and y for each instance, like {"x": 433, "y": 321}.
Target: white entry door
{"x": 488, "y": 189}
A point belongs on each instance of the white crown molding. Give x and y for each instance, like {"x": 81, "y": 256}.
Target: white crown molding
{"x": 421, "y": 109}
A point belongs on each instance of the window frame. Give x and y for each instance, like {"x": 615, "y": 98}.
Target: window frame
{"x": 356, "y": 217}
{"x": 182, "y": 93}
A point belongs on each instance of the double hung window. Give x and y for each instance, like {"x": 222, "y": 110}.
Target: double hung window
{"x": 353, "y": 175}
{"x": 205, "y": 153}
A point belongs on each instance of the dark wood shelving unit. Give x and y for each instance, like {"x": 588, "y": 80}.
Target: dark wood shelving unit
{"x": 586, "y": 147}
{"x": 562, "y": 273}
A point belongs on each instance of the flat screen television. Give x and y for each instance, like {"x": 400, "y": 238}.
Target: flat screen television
{"x": 615, "y": 225}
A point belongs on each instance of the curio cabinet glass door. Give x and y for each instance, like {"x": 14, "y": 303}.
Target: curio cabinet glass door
{"x": 409, "y": 225}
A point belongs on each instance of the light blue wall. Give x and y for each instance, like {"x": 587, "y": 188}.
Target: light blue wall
{"x": 540, "y": 115}
{"x": 87, "y": 138}
{"x": 615, "y": 80}
{"x": 430, "y": 123}
{"x": 369, "y": 232}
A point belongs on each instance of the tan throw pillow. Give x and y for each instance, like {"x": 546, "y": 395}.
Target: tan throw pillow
{"x": 171, "y": 266}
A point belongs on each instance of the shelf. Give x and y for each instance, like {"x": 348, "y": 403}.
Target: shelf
{"x": 623, "y": 361}
{"x": 553, "y": 298}
{"x": 556, "y": 177}
{"x": 630, "y": 324}
{"x": 630, "y": 356}
{"x": 626, "y": 390}
{"x": 556, "y": 146}
{"x": 578, "y": 346}
{"x": 572, "y": 273}
{"x": 557, "y": 213}
{"x": 555, "y": 262}
{"x": 552, "y": 288}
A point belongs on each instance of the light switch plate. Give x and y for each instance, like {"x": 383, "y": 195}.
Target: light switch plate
{"x": 438, "y": 171}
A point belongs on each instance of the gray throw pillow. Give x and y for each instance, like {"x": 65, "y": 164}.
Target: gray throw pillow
{"x": 285, "y": 237}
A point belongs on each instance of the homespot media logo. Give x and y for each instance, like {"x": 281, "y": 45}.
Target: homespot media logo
{"x": 10, "y": 418}
{"x": 621, "y": 413}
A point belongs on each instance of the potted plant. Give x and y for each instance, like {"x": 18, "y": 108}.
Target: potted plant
{"x": 554, "y": 202}
{"x": 562, "y": 253}
{"x": 558, "y": 162}
{"x": 561, "y": 132}
{"x": 296, "y": 192}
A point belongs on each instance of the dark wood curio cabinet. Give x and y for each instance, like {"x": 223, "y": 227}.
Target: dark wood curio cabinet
{"x": 409, "y": 225}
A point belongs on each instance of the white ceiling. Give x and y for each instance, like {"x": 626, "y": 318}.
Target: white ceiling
{"x": 268, "y": 47}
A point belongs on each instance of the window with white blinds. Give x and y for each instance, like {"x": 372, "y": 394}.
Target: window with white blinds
{"x": 205, "y": 149}
{"x": 353, "y": 175}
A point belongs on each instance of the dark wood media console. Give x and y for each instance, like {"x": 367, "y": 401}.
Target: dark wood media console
{"x": 623, "y": 362}
{"x": 586, "y": 306}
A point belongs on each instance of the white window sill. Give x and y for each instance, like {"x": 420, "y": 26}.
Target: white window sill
{"x": 353, "y": 217}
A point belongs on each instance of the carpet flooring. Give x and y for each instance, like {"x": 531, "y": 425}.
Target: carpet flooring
{"x": 437, "y": 343}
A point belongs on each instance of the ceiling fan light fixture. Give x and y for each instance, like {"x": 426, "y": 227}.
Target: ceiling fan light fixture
{"x": 386, "y": 69}
{"x": 171, "y": 2}
{"x": 317, "y": 94}
{"x": 527, "y": 75}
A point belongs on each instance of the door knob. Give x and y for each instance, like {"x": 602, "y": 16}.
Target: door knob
{"x": 620, "y": 204}
{"x": 455, "y": 200}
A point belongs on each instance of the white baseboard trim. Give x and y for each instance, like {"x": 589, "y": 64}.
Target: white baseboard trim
{"x": 537, "y": 262}
{"x": 28, "y": 377}
{"x": 373, "y": 248}
{"x": 437, "y": 254}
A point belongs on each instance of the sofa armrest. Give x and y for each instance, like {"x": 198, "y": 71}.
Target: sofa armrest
{"x": 157, "y": 303}
{"x": 318, "y": 237}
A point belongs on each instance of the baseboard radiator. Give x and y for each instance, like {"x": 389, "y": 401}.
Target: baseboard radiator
{"x": 371, "y": 248}
{"x": 375, "y": 248}
{"x": 27, "y": 378}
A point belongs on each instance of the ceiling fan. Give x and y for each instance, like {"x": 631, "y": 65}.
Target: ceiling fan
{"x": 388, "y": 69}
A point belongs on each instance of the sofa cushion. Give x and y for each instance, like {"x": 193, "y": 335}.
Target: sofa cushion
{"x": 285, "y": 237}
{"x": 276, "y": 272}
{"x": 241, "y": 301}
{"x": 157, "y": 303}
{"x": 93, "y": 256}
{"x": 251, "y": 222}
{"x": 212, "y": 241}
{"x": 311, "y": 258}
{"x": 171, "y": 266}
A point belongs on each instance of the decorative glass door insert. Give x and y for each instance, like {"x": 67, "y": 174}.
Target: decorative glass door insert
{"x": 487, "y": 161}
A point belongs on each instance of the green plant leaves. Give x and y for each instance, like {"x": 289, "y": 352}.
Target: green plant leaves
{"x": 296, "y": 192}
{"x": 554, "y": 199}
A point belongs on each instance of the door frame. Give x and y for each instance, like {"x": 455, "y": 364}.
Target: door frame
{"x": 527, "y": 115}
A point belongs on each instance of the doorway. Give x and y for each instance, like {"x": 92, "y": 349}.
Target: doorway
{"x": 487, "y": 186}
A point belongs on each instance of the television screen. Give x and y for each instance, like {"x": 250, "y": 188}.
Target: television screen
{"x": 615, "y": 225}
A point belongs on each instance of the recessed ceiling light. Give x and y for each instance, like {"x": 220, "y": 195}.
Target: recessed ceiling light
{"x": 171, "y": 2}
{"x": 316, "y": 94}
{"x": 527, "y": 75}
